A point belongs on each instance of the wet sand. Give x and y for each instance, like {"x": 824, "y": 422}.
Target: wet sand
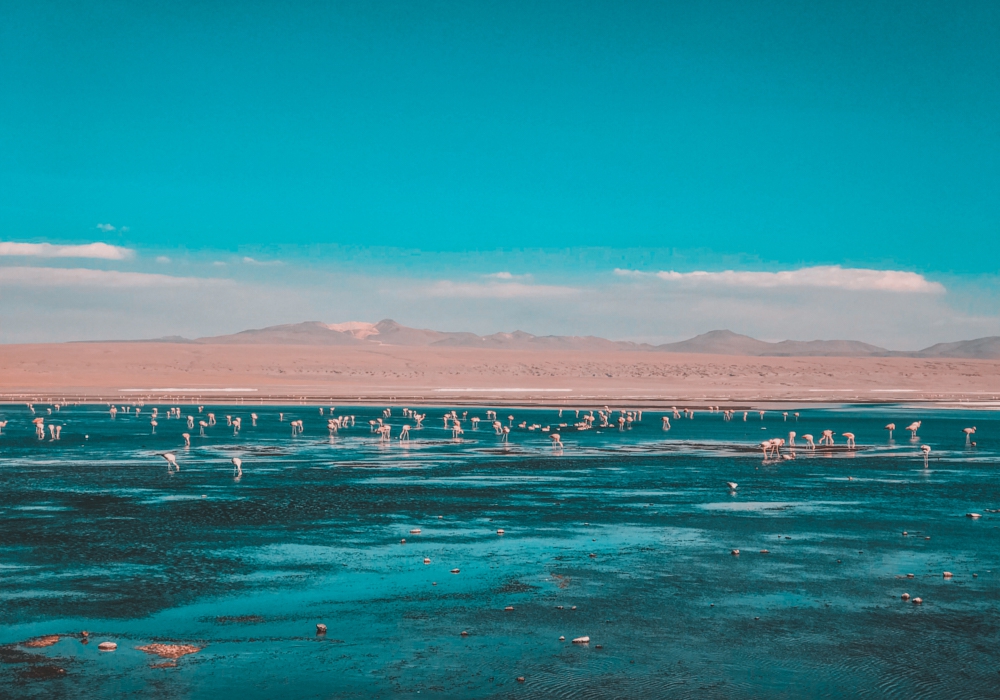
{"x": 276, "y": 373}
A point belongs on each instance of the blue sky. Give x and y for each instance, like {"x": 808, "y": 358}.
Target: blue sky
{"x": 400, "y": 146}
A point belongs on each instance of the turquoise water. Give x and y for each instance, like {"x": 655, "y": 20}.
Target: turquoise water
{"x": 622, "y": 536}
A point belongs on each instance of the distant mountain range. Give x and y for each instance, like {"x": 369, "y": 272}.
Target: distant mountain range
{"x": 388, "y": 332}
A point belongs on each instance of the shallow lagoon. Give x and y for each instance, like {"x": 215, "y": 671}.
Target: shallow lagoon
{"x": 98, "y": 535}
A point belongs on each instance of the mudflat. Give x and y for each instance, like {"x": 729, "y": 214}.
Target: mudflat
{"x": 460, "y": 375}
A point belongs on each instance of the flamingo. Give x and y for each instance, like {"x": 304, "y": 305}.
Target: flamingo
{"x": 404, "y": 433}
{"x": 190, "y": 422}
{"x": 666, "y": 422}
{"x": 784, "y": 416}
{"x": 171, "y": 460}
{"x": 187, "y": 439}
{"x": 211, "y": 419}
{"x": 745, "y": 416}
{"x": 113, "y": 411}
{"x": 926, "y": 449}
{"x": 766, "y": 447}
{"x": 890, "y": 427}
{"x": 732, "y": 485}
{"x": 3, "y": 424}
{"x": 762, "y": 414}
{"x": 827, "y": 438}
{"x": 237, "y": 467}
{"x": 39, "y": 427}
{"x": 850, "y": 439}
{"x": 969, "y": 432}
{"x": 456, "y": 430}
{"x": 556, "y": 440}
{"x": 809, "y": 440}
{"x": 201, "y": 426}
{"x": 253, "y": 419}
{"x": 506, "y": 433}
{"x": 237, "y": 424}
{"x": 475, "y": 423}
{"x": 154, "y": 424}
{"x": 913, "y": 428}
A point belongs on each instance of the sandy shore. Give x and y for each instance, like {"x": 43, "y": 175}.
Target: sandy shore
{"x": 271, "y": 373}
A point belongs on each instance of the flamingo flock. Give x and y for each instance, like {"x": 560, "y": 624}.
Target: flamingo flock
{"x": 602, "y": 418}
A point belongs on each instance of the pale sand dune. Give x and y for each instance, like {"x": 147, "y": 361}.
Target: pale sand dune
{"x": 457, "y": 374}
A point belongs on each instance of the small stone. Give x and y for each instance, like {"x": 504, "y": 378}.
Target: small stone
{"x": 455, "y": 571}
{"x": 403, "y": 541}
{"x": 562, "y": 639}
{"x": 573, "y": 608}
{"x": 905, "y": 533}
{"x": 918, "y": 601}
{"x": 321, "y": 628}
{"x": 415, "y": 531}
{"x": 947, "y": 574}
{"x": 499, "y": 532}
{"x": 909, "y": 576}
{"x": 559, "y": 607}
{"x": 927, "y": 538}
{"x": 426, "y": 560}
{"x": 582, "y": 640}
{"x": 465, "y": 633}
{"x": 509, "y": 607}
{"x": 764, "y": 551}
{"x": 905, "y": 596}
{"x": 107, "y": 646}
{"x": 973, "y": 515}
{"x": 85, "y": 633}
{"x": 598, "y": 646}
{"x": 975, "y": 575}
{"x": 593, "y": 556}
{"x": 520, "y": 679}
{"x": 735, "y": 552}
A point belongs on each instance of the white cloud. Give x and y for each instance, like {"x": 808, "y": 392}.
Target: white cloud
{"x": 496, "y": 290}
{"x": 252, "y": 261}
{"x": 829, "y": 277}
{"x": 162, "y": 259}
{"x": 106, "y": 227}
{"x": 100, "y": 251}
{"x": 219, "y": 263}
{"x": 83, "y": 277}
{"x": 506, "y": 276}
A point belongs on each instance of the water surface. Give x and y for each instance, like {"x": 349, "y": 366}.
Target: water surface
{"x": 622, "y": 536}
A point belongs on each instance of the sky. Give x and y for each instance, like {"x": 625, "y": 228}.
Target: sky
{"x": 634, "y": 170}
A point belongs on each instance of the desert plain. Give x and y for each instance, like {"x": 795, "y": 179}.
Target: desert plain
{"x": 458, "y": 375}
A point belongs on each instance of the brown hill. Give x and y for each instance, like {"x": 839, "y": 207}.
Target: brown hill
{"x": 722, "y": 342}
